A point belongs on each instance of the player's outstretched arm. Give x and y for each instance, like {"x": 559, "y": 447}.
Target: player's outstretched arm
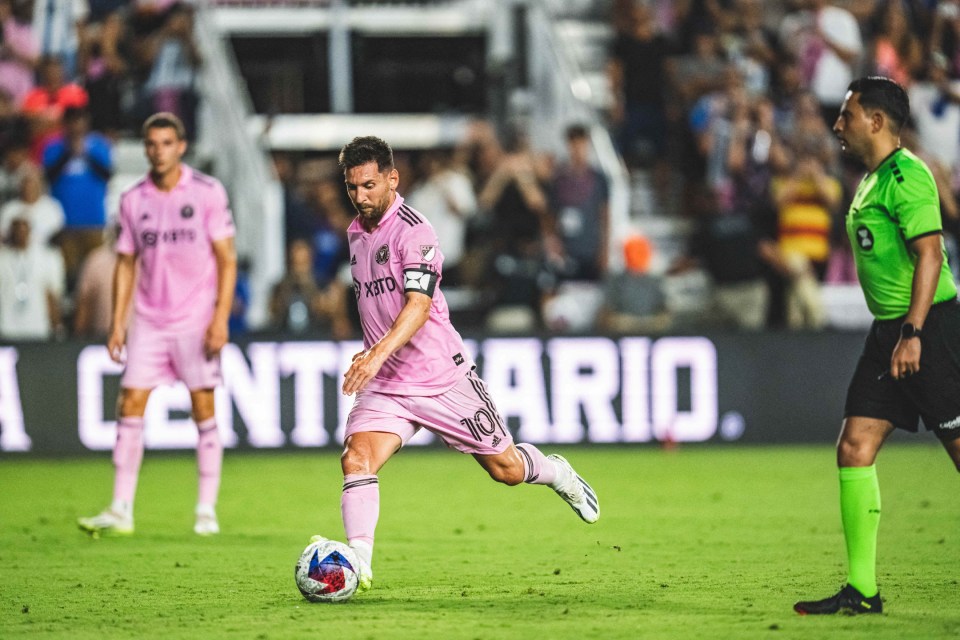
{"x": 218, "y": 332}
{"x": 366, "y": 364}
{"x": 124, "y": 274}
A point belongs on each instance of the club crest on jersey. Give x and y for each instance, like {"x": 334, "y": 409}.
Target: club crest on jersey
{"x": 383, "y": 254}
{"x": 864, "y": 238}
{"x": 186, "y": 212}
{"x": 428, "y": 252}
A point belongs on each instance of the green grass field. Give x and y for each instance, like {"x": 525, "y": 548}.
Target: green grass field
{"x": 699, "y": 542}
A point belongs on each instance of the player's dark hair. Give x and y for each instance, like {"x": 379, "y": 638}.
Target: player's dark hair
{"x": 165, "y": 120}
{"x": 364, "y": 149}
{"x": 884, "y": 94}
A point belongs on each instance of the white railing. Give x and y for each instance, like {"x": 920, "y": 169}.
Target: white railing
{"x": 242, "y": 164}
{"x": 560, "y": 95}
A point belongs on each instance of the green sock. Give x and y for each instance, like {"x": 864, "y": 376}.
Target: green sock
{"x": 860, "y": 512}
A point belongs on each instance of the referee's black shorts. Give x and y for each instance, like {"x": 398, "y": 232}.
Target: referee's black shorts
{"x": 932, "y": 394}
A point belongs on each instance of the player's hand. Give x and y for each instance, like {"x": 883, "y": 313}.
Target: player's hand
{"x": 216, "y": 336}
{"x": 365, "y": 366}
{"x": 115, "y": 344}
{"x": 905, "y": 361}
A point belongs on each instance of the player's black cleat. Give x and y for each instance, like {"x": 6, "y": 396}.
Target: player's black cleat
{"x": 848, "y": 600}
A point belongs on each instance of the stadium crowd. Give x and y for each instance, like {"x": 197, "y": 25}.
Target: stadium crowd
{"x": 723, "y": 107}
{"x": 74, "y": 76}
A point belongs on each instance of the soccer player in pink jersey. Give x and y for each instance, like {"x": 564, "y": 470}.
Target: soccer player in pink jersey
{"x": 414, "y": 370}
{"x": 176, "y": 262}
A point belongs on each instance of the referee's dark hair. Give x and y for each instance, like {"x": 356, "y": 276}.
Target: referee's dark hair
{"x": 364, "y": 149}
{"x": 884, "y": 94}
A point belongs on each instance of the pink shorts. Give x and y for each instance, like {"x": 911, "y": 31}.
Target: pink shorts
{"x": 464, "y": 417}
{"x": 156, "y": 357}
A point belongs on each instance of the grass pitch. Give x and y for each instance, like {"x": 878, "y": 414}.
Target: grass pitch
{"x": 700, "y": 542}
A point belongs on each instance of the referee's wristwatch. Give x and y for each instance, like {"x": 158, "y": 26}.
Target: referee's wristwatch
{"x": 908, "y": 330}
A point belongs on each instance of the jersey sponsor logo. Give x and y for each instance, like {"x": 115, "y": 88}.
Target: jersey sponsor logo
{"x": 383, "y": 254}
{"x": 144, "y": 216}
{"x": 864, "y": 238}
{"x": 458, "y": 359}
{"x": 170, "y": 236}
{"x": 186, "y": 212}
{"x": 376, "y": 287}
{"x": 428, "y": 252}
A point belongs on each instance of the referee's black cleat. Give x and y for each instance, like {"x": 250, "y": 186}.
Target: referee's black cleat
{"x": 848, "y": 601}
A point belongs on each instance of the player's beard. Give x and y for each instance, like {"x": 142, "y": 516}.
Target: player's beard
{"x": 370, "y": 215}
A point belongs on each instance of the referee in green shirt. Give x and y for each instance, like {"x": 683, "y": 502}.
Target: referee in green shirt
{"x": 910, "y": 365}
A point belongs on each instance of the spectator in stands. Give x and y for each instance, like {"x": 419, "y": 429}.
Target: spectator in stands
{"x": 935, "y": 109}
{"x": 896, "y": 51}
{"x": 579, "y": 204}
{"x": 756, "y": 153}
{"x": 734, "y": 250}
{"x": 31, "y": 285}
{"x": 92, "y": 309}
{"x": 945, "y": 33}
{"x": 103, "y": 67}
{"x": 751, "y": 46}
{"x": 827, "y": 42}
{"x": 47, "y": 102}
{"x": 57, "y": 25}
{"x": 175, "y": 59}
{"x": 447, "y": 194}
{"x": 514, "y": 203}
{"x": 807, "y": 199}
{"x": 14, "y": 146}
{"x": 638, "y": 82}
{"x": 78, "y": 167}
{"x": 634, "y": 300}
{"x": 43, "y": 213}
{"x": 330, "y": 248}
{"x": 810, "y": 135}
{"x": 702, "y": 69}
{"x": 298, "y": 219}
{"x": 711, "y": 123}
{"x": 299, "y": 304}
{"x": 18, "y": 53}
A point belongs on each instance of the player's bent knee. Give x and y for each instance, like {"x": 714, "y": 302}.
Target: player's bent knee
{"x": 853, "y": 453}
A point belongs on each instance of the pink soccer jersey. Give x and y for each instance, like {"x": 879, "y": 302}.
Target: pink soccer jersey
{"x": 171, "y": 233}
{"x": 403, "y": 254}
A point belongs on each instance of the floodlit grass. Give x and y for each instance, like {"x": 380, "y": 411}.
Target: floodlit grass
{"x": 700, "y": 542}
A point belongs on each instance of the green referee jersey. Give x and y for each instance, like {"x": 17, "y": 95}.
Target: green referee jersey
{"x": 894, "y": 205}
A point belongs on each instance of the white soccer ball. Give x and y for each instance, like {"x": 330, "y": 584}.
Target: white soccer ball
{"x": 327, "y": 571}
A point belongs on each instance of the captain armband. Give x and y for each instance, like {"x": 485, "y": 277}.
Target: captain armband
{"x": 421, "y": 279}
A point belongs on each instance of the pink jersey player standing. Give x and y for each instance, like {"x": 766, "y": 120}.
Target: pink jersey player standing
{"x": 414, "y": 370}
{"x": 176, "y": 262}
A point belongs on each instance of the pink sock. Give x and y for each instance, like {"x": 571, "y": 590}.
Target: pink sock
{"x": 360, "y": 507}
{"x": 127, "y": 456}
{"x": 209, "y": 461}
{"x": 536, "y": 468}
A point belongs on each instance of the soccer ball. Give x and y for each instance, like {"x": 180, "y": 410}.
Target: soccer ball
{"x": 327, "y": 571}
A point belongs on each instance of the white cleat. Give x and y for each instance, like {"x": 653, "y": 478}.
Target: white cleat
{"x": 365, "y": 574}
{"x": 575, "y": 491}
{"x": 206, "y": 523}
{"x": 107, "y": 523}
